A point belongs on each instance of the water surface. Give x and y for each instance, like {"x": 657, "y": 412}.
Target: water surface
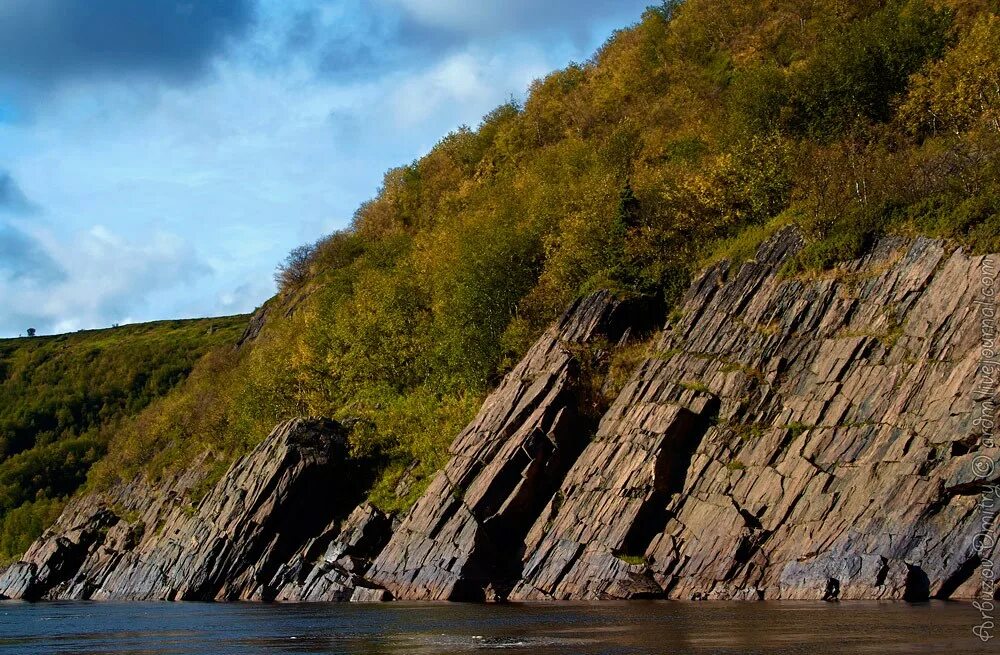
{"x": 417, "y": 629}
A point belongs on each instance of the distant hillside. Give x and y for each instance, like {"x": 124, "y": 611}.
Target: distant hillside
{"x": 61, "y": 396}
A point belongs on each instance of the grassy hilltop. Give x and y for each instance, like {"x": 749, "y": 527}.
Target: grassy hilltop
{"x": 689, "y": 136}
{"x": 61, "y": 397}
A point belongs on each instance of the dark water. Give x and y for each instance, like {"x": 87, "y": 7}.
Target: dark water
{"x": 652, "y": 627}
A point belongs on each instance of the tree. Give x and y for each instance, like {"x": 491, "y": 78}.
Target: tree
{"x": 853, "y": 76}
{"x": 667, "y": 8}
{"x": 962, "y": 89}
{"x": 31, "y": 332}
{"x": 295, "y": 268}
{"x": 628, "y": 207}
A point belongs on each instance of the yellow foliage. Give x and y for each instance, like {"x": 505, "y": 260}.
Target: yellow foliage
{"x": 963, "y": 89}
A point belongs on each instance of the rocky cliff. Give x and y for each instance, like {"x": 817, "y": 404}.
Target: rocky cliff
{"x": 783, "y": 437}
{"x": 142, "y": 542}
{"x": 463, "y": 538}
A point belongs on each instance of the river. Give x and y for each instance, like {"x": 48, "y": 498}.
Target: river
{"x": 771, "y": 628}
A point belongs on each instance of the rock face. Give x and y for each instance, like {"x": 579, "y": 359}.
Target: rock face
{"x": 462, "y": 539}
{"x": 804, "y": 437}
{"x": 786, "y": 439}
{"x": 335, "y": 572}
{"x": 141, "y": 544}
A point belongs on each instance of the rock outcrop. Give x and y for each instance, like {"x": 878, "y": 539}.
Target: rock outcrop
{"x": 142, "y": 543}
{"x": 804, "y": 437}
{"x": 462, "y": 540}
{"x": 334, "y": 573}
{"x": 788, "y": 438}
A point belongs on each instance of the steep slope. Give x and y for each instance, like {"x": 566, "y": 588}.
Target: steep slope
{"x": 788, "y": 438}
{"x": 690, "y": 136}
{"x": 464, "y": 534}
{"x": 139, "y": 543}
{"x": 785, "y": 437}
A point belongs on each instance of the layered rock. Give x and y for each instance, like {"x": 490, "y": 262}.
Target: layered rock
{"x": 802, "y": 437}
{"x": 143, "y": 543}
{"x": 334, "y": 572}
{"x": 788, "y": 438}
{"x": 462, "y": 540}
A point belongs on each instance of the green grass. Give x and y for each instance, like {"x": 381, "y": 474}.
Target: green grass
{"x": 696, "y": 385}
{"x": 798, "y": 428}
{"x": 633, "y": 560}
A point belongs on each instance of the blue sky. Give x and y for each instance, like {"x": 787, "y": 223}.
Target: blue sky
{"x": 159, "y": 158}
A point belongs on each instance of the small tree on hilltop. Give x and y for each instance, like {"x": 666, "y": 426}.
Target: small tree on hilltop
{"x": 295, "y": 268}
{"x": 31, "y": 332}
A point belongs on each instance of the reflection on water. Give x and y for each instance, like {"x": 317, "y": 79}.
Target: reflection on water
{"x": 415, "y": 629}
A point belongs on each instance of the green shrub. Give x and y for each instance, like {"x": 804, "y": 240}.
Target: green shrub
{"x": 22, "y": 525}
{"x": 855, "y": 75}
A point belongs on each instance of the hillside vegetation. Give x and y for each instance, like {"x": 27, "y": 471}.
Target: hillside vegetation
{"x": 688, "y": 137}
{"x": 61, "y": 397}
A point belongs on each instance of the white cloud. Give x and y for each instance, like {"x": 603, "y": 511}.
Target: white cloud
{"x": 468, "y": 83}
{"x": 107, "y": 279}
{"x": 491, "y": 17}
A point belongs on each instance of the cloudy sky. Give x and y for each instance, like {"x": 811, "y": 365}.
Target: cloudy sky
{"x": 158, "y": 158}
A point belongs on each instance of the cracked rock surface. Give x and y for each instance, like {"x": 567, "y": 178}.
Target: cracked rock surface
{"x": 142, "y": 543}
{"x": 787, "y": 438}
{"x": 462, "y": 539}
